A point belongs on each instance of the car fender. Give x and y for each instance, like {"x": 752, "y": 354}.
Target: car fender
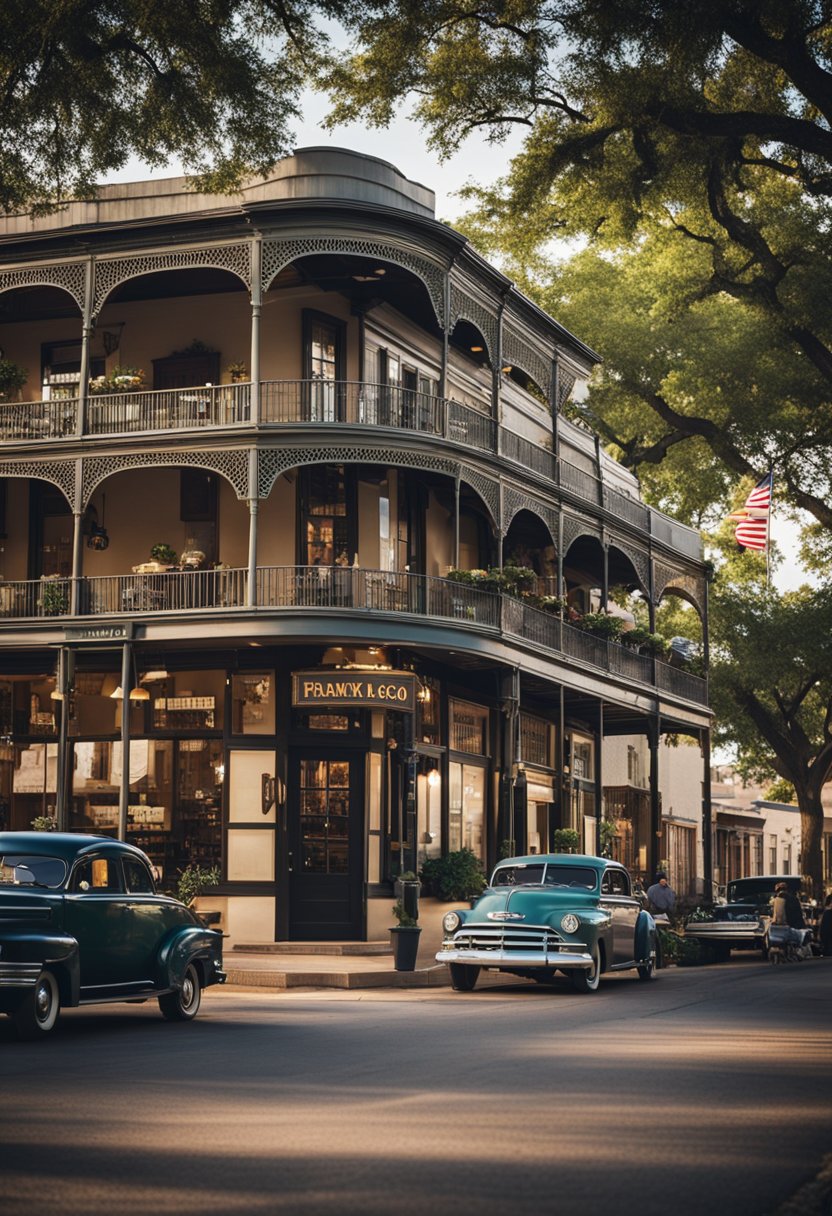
{"x": 646, "y": 939}
{"x": 595, "y": 927}
{"x": 180, "y": 947}
{"x": 58, "y": 951}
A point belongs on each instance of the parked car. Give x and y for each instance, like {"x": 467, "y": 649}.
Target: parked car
{"x": 81, "y": 923}
{"x": 548, "y": 913}
{"x": 742, "y": 922}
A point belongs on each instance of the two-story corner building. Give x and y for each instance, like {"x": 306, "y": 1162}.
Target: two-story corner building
{"x": 255, "y": 438}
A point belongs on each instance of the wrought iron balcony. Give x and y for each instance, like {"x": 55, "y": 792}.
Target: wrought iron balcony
{"x": 325, "y": 403}
{"x": 344, "y": 590}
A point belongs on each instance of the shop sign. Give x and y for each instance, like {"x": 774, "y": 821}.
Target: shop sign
{"x": 364, "y": 689}
{"x": 122, "y": 632}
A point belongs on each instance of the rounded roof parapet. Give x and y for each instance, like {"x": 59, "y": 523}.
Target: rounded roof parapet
{"x": 310, "y": 175}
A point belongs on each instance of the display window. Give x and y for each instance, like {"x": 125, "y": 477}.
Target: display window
{"x": 469, "y": 728}
{"x": 466, "y": 808}
{"x": 253, "y": 703}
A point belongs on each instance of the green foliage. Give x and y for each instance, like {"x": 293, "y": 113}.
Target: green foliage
{"x": 684, "y": 951}
{"x": 601, "y": 626}
{"x": 54, "y": 595}
{"x": 458, "y": 875}
{"x": 88, "y": 86}
{"x": 609, "y": 830}
{"x": 781, "y": 791}
{"x": 44, "y": 823}
{"x": 12, "y": 379}
{"x": 565, "y": 840}
{"x": 507, "y": 849}
{"x": 512, "y": 580}
{"x": 164, "y": 554}
{"x": 403, "y": 919}
{"x": 193, "y": 880}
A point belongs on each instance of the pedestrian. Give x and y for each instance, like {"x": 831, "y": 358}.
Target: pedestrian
{"x": 661, "y": 896}
{"x": 825, "y": 930}
{"x": 785, "y": 908}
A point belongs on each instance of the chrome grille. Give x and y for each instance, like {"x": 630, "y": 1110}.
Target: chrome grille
{"x": 19, "y": 975}
{"x": 506, "y": 938}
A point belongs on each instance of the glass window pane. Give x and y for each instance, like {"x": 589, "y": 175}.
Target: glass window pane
{"x": 253, "y": 703}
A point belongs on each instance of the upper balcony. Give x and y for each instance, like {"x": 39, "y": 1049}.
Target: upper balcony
{"x": 334, "y": 405}
{"x": 397, "y": 597}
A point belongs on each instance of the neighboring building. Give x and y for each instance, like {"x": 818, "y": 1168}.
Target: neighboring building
{"x": 753, "y": 835}
{"x": 682, "y": 796}
{"x": 323, "y": 401}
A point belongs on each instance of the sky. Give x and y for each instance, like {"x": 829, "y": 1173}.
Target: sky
{"x": 404, "y": 145}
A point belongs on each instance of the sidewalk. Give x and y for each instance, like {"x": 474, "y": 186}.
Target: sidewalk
{"x": 349, "y": 965}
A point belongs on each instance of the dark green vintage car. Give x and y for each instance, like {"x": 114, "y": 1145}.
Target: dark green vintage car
{"x": 552, "y": 912}
{"x": 81, "y": 924}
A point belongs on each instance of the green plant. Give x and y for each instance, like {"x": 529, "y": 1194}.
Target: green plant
{"x": 404, "y": 919}
{"x": 565, "y": 840}
{"x": 54, "y": 597}
{"x": 163, "y": 554}
{"x": 12, "y": 379}
{"x": 44, "y": 823}
{"x": 642, "y": 639}
{"x": 193, "y": 880}
{"x": 601, "y": 625}
{"x": 237, "y": 371}
{"x": 684, "y": 951}
{"x": 506, "y": 849}
{"x": 457, "y": 875}
{"x": 608, "y": 831}
{"x": 118, "y": 380}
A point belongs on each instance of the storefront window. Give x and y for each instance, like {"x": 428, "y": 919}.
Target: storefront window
{"x": 536, "y": 740}
{"x": 188, "y": 700}
{"x": 34, "y": 784}
{"x": 428, "y": 711}
{"x": 469, "y": 728}
{"x": 466, "y": 807}
{"x": 429, "y": 812}
{"x": 252, "y": 703}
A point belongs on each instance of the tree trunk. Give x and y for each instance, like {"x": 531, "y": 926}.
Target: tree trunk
{"x": 811, "y": 834}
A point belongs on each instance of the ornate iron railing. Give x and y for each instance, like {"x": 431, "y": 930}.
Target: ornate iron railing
{"x": 343, "y": 589}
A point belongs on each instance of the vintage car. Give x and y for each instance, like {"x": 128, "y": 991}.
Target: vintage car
{"x": 81, "y": 924}
{"x": 742, "y": 922}
{"x": 552, "y": 912}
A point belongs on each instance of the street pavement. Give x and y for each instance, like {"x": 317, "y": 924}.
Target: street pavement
{"x": 706, "y": 1091}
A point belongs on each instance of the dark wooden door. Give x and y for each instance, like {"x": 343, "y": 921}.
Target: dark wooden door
{"x": 326, "y": 839}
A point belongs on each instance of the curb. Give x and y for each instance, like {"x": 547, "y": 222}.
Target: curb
{"x": 429, "y": 977}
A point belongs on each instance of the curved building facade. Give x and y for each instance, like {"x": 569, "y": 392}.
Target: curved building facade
{"x": 259, "y": 446}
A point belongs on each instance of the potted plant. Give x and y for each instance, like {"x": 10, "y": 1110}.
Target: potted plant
{"x": 163, "y": 554}
{"x": 565, "y": 840}
{"x": 608, "y": 829}
{"x": 238, "y": 372}
{"x": 119, "y": 380}
{"x": 54, "y": 597}
{"x": 405, "y": 934}
{"x": 12, "y": 379}
{"x": 192, "y": 882}
{"x": 44, "y": 823}
{"x": 456, "y": 876}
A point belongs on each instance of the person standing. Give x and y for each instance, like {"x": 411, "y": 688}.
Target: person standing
{"x": 825, "y": 929}
{"x": 661, "y": 896}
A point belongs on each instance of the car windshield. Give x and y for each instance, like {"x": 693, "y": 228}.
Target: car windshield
{"x": 28, "y": 870}
{"x": 762, "y": 891}
{"x": 537, "y": 874}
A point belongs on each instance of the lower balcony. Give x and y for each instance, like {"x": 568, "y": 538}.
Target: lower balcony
{"x": 342, "y": 589}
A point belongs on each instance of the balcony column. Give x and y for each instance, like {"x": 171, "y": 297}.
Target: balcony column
{"x": 654, "y": 728}
{"x": 457, "y": 485}
{"x": 598, "y": 776}
{"x": 256, "y": 306}
{"x": 62, "y": 687}
{"x": 253, "y": 504}
{"x": 77, "y": 542}
{"x": 124, "y": 788}
{"x": 599, "y": 470}
{"x": 605, "y": 578}
{"x": 496, "y": 379}
{"x": 559, "y": 587}
{"x": 707, "y": 819}
{"x": 554, "y": 394}
{"x": 446, "y": 335}
{"x": 86, "y": 335}
{"x": 560, "y": 784}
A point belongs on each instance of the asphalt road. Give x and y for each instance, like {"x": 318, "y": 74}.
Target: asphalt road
{"x": 703, "y": 1092}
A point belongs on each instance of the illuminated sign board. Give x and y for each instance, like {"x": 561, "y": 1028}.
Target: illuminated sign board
{"x": 356, "y": 689}
{"x": 122, "y": 632}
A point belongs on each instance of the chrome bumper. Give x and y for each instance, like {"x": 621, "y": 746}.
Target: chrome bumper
{"x": 512, "y": 959}
{"x": 19, "y": 975}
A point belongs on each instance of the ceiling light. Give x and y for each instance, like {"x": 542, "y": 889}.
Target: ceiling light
{"x": 117, "y": 694}
{"x": 365, "y": 278}
{"x": 477, "y": 349}
{"x": 139, "y": 694}
{"x": 507, "y": 368}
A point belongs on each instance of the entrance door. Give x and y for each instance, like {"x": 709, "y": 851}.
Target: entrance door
{"x": 326, "y": 837}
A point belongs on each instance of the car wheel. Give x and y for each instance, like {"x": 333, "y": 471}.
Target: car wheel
{"x": 38, "y": 1012}
{"x": 463, "y": 978}
{"x": 647, "y": 970}
{"x": 182, "y": 1005}
{"x": 588, "y": 979}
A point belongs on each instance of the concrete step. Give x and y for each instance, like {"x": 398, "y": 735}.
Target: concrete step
{"x": 351, "y": 949}
{"x": 277, "y": 978}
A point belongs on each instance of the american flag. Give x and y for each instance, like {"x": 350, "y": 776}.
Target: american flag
{"x": 752, "y": 519}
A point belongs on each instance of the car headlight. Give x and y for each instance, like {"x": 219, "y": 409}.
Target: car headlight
{"x": 451, "y": 921}
{"x": 569, "y": 923}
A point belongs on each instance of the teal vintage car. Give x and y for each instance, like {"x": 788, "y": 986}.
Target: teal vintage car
{"x": 81, "y": 923}
{"x": 552, "y": 912}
